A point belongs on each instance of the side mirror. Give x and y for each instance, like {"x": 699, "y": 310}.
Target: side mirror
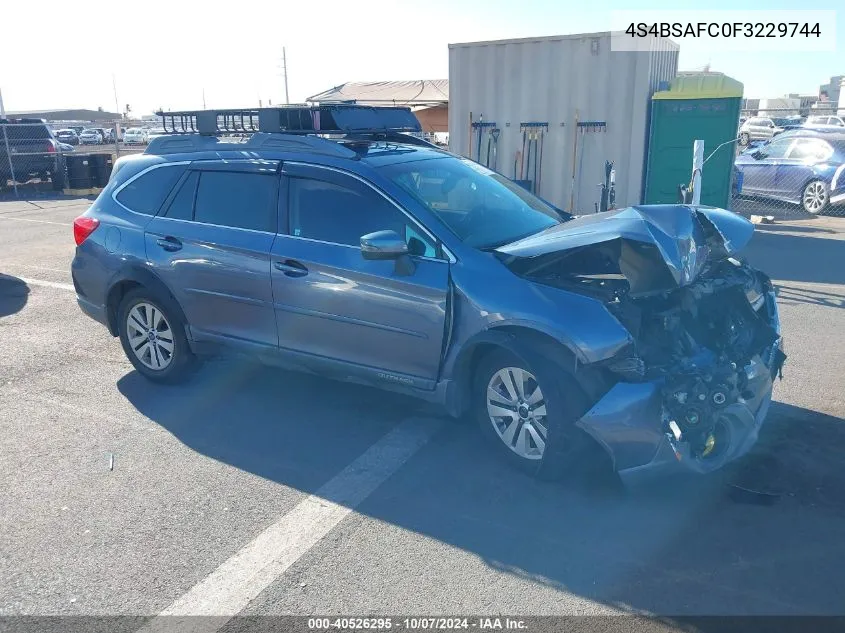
{"x": 383, "y": 245}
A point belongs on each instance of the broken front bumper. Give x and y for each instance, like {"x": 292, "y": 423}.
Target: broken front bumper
{"x": 630, "y": 421}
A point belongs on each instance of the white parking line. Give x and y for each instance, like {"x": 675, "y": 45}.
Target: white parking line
{"x": 228, "y": 589}
{"x": 16, "y": 265}
{"x": 46, "y": 284}
{"x": 6, "y": 217}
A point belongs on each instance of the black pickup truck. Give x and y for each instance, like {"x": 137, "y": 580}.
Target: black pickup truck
{"x": 29, "y": 150}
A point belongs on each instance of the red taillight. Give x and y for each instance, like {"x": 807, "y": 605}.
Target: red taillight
{"x": 51, "y": 147}
{"x": 83, "y": 227}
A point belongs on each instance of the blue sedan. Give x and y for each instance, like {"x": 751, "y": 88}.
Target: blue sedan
{"x": 800, "y": 168}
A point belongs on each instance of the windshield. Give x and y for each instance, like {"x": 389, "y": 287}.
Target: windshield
{"x": 483, "y": 208}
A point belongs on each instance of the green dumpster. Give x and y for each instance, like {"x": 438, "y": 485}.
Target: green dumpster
{"x": 702, "y": 106}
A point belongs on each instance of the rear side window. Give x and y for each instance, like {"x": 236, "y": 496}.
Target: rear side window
{"x": 182, "y": 205}
{"x": 145, "y": 194}
{"x": 237, "y": 199}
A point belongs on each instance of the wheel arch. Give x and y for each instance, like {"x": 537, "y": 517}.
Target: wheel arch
{"x": 518, "y": 339}
{"x": 130, "y": 278}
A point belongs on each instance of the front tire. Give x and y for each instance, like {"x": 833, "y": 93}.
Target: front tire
{"x": 815, "y": 197}
{"x": 153, "y": 337}
{"x": 526, "y": 406}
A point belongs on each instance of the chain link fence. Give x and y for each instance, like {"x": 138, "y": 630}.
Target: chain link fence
{"x": 789, "y": 162}
{"x": 38, "y": 157}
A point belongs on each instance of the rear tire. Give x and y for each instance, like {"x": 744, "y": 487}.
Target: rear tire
{"x": 815, "y": 197}
{"x": 536, "y": 430}
{"x": 153, "y": 337}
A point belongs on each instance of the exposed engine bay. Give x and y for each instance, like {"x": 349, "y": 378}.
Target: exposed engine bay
{"x": 703, "y": 324}
{"x": 700, "y": 338}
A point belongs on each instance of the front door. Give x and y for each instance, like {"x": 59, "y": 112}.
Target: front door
{"x": 374, "y": 319}
{"x": 760, "y": 174}
{"x": 211, "y": 245}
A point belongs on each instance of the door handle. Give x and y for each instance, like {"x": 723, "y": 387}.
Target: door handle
{"x": 291, "y": 268}
{"x": 169, "y": 243}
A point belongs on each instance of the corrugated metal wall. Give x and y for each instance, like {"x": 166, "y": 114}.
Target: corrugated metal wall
{"x": 550, "y": 79}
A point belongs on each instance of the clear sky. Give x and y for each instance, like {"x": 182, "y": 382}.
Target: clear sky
{"x": 63, "y": 53}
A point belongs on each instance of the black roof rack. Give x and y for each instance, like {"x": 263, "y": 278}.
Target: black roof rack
{"x": 293, "y": 119}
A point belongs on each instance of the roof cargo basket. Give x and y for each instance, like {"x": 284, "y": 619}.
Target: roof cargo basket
{"x": 297, "y": 119}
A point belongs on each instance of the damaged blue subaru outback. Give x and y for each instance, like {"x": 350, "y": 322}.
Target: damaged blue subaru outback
{"x": 326, "y": 239}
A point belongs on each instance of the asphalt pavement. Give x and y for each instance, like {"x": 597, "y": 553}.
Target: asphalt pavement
{"x": 255, "y": 491}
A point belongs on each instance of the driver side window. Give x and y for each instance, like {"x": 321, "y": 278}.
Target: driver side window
{"x": 329, "y": 212}
{"x": 775, "y": 149}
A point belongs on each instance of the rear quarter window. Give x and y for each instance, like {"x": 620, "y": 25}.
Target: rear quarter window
{"x": 146, "y": 193}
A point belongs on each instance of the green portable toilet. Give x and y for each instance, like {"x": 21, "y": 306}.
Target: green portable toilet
{"x": 703, "y": 105}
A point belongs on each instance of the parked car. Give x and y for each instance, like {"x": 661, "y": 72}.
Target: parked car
{"x": 758, "y": 128}
{"x": 92, "y": 136}
{"x": 65, "y": 147}
{"x": 110, "y": 135}
{"x": 33, "y": 150}
{"x": 135, "y": 136}
{"x": 395, "y": 264}
{"x": 817, "y": 120}
{"x": 155, "y": 132}
{"x": 787, "y": 122}
{"x": 67, "y": 136}
{"x": 800, "y": 167}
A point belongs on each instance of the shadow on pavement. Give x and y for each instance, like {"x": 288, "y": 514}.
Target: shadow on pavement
{"x": 792, "y": 228}
{"x": 786, "y": 257}
{"x": 678, "y": 547}
{"x": 792, "y": 295}
{"x": 13, "y": 295}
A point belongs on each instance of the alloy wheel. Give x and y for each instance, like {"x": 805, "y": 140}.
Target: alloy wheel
{"x": 517, "y": 411}
{"x": 150, "y": 336}
{"x": 815, "y": 197}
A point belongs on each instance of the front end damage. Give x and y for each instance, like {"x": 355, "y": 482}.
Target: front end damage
{"x": 694, "y": 386}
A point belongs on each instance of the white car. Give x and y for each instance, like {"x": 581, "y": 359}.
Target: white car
{"x": 136, "y": 136}
{"x": 826, "y": 121}
{"x": 758, "y": 128}
{"x": 91, "y": 136}
{"x": 156, "y": 132}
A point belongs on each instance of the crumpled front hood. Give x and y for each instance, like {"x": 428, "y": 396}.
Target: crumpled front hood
{"x": 654, "y": 247}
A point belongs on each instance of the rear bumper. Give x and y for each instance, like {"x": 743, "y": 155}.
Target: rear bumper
{"x": 98, "y": 313}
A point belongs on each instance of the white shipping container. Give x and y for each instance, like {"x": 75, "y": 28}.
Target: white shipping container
{"x": 554, "y": 80}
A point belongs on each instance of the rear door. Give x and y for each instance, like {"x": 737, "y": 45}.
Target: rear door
{"x": 364, "y": 317}
{"x": 760, "y": 172}
{"x": 211, "y": 243}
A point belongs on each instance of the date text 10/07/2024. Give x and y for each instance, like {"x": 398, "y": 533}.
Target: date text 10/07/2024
{"x": 724, "y": 29}
{"x": 417, "y": 624}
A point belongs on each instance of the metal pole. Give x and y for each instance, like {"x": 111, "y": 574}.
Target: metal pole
{"x": 9, "y": 157}
{"x": 114, "y": 89}
{"x": 285, "y": 67}
{"x": 697, "y": 164}
{"x": 2, "y": 107}
{"x": 117, "y": 140}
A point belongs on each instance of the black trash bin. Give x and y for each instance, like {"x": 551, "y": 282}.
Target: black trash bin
{"x": 79, "y": 171}
{"x": 101, "y": 166}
